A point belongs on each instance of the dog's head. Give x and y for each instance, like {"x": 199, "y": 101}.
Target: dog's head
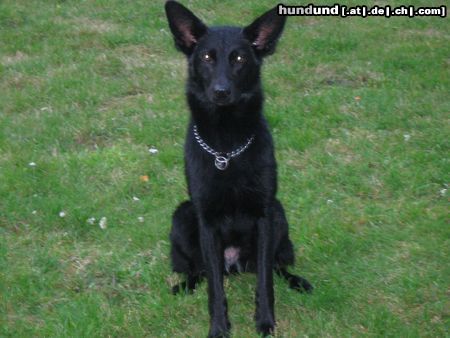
{"x": 224, "y": 62}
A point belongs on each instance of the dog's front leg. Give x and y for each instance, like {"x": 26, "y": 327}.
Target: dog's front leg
{"x": 265, "y": 318}
{"x": 212, "y": 253}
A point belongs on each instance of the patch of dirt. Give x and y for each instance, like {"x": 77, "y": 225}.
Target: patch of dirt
{"x": 83, "y": 24}
{"x": 428, "y": 33}
{"x": 127, "y": 101}
{"x": 135, "y": 56}
{"x": 333, "y": 76}
{"x": 13, "y": 59}
{"x": 338, "y": 150}
{"x": 18, "y": 80}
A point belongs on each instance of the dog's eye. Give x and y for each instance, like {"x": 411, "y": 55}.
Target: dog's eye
{"x": 207, "y": 58}
{"x": 239, "y": 59}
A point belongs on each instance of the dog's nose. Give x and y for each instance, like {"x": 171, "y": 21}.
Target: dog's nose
{"x": 221, "y": 92}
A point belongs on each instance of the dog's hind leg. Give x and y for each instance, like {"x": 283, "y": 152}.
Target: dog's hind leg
{"x": 188, "y": 285}
{"x": 284, "y": 252}
{"x": 185, "y": 248}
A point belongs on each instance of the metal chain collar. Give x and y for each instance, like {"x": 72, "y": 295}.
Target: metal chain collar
{"x": 221, "y": 161}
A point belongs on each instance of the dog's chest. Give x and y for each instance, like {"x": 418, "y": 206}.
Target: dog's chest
{"x": 243, "y": 187}
{"x": 234, "y": 189}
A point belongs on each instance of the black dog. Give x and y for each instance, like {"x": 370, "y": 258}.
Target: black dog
{"x": 233, "y": 221}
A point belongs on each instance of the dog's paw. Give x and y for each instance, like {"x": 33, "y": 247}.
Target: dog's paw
{"x": 219, "y": 334}
{"x": 265, "y": 327}
{"x": 300, "y": 284}
{"x": 182, "y": 288}
{"x": 220, "y": 330}
{"x": 176, "y": 289}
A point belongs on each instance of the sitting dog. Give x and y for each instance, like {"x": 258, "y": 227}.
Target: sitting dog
{"x": 233, "y": 221}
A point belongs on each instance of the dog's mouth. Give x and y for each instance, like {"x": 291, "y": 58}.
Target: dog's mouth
{"x": 222, "y": 102}
{"x": 222, "y": 99}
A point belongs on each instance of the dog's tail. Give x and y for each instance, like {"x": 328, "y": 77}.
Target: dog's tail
{"x": 295, "y": 282}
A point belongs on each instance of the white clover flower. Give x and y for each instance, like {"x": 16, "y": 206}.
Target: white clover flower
{"x": 34, "y": 212}
{"x": 136, "y": 198}
{"x": 32, "y": 164}
{"x": 102, "y": 223}
{"x": 152, "y": 150}
{"x": 62, "y": 214}
{"x": 443, "y": 192}
{"x": 330, "y": 202}
{"x": 406, "y": 137}
{"x": 91, "y": 220}
{"x": 141, "y": 219}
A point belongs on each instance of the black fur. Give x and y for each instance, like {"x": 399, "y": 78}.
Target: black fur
{"x": 235, "y": 208}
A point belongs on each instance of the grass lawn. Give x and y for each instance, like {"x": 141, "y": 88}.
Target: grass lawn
{"x": 359, "y": 109}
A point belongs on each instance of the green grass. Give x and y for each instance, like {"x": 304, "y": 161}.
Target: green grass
{"x": 359, "y": 112}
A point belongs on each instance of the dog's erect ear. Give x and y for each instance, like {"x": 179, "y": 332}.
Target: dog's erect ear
{"x": 186, "y": 28}
{"x": 264, "y": 32}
